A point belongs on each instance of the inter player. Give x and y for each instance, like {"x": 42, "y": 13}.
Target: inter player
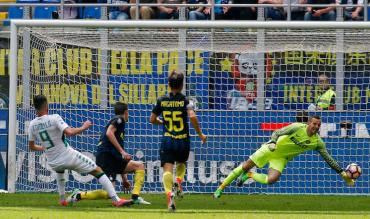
{"x": 285, "y": 144}
{"x": 51, "y": 130}
{"x": 113, "y": 159}
{"x": 175, "y": 146}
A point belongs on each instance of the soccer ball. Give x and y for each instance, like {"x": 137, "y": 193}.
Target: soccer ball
{"x": 353, "y": 171}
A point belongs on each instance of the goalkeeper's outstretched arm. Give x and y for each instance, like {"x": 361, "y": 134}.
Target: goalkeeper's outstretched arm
{"x": 329, "y": 160}
{"x": 333, "y": 163}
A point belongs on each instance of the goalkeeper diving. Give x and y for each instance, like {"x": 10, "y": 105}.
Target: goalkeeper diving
{"x": 284, "y": 145}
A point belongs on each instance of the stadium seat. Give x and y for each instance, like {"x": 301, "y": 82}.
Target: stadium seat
{"x": 3, "y": 18}
{"x": 45, "y": 12}
{"x": 28, "y": 1}
{"x": 16, "y": 12}
{"x": 91, "y": 12}
{"x": 3, "y": 15}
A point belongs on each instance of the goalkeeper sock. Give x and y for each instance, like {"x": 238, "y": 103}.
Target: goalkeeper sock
{"x": 61, "y": 185}
{"x": 139, "y": 180}
{"x": 259, "y": 177}
{"x": 232, "y": 176}
{"x": 107, "y": 185}
{"x": 93, "y": 195}
{"x": 167, "y": 182}
{"x": 180, "y": 172}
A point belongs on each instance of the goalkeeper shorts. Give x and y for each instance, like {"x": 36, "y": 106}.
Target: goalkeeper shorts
{"x": 263, "y": 156}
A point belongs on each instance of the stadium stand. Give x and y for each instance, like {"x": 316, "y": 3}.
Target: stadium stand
{"x": 95, "y": 12}
{"x": 90, "y": 12}
{"x": 16, "y": 12}
{"x": 46, "y": 12}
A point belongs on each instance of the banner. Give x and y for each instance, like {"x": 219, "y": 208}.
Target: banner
{"x": 4, "y": 103}
{"x": 209, "y": 164}
{"x": 214, "y": 80}
{"x": 291, "y": 79}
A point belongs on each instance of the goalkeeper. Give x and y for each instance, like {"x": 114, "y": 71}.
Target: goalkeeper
{"x": 285, "y": 144}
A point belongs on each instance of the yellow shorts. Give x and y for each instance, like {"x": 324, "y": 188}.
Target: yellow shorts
{"x": 263, "y": 156}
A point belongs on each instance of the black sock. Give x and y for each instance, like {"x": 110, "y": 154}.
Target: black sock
{"x": 134, "y": 196}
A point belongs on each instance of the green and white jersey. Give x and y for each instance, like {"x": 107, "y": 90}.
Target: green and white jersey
{"x": 48, "y": 130}
{"x": 293, "y": 140}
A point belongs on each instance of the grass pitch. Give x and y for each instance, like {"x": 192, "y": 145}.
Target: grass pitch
{"x": 36, "y": 205}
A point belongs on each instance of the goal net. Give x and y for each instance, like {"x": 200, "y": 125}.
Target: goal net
{"x": 245, "y": 79}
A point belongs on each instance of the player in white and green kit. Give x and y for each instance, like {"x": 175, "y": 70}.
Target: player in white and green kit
{"x": 50, "y": 131}
{"x": 285, "y": 144}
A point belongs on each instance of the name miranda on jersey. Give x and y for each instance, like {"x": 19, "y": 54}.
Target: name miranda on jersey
{"x": 41, "y": 126}
{"x": 172, "y": 103}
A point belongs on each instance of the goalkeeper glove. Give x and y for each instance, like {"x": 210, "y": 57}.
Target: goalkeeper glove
{"x": 347, "y": 179}
{"x": 271, "y": 146}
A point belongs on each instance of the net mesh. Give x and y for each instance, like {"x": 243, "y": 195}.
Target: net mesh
{"x": 229, "y": 72}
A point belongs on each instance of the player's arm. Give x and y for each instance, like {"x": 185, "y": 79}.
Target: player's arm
{"x": 35, "y": 147}
{"x": 321, "y": 148}
{"x": 69, "y": 131}
{"x": 112, "y": 138}
{"x": 194, "y": 121}
{"x": 290, "y": 129}
{"x": 329, "y": 159}
{"x": 154, "y": 117}
{"x": 31, "y": 141}
{"x": 126, "y": 185}
{"x": 162, "y": 8}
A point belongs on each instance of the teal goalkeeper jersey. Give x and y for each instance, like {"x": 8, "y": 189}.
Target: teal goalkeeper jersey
{"x": 293, "y": 140}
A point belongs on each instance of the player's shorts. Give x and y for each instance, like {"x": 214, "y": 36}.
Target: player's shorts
{"x": 73, "y": 160}
{"x": 111, "y": 165}
{"x": 263, "y": 156}
{"x": 174, "y": 150}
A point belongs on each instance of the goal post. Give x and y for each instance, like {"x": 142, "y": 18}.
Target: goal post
{"x": 11, "y": 167}
{"x": 246, "y": 79}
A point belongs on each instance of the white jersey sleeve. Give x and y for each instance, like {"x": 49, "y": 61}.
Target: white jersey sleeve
{"x": 59, "y": 122}
{"x": 31, "y": 134}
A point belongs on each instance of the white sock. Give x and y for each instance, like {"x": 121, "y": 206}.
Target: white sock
{"x": 107, "y": 186}
{"x": 61, "y": 185}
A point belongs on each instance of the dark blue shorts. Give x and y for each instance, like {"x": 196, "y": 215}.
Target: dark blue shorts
{"x": 174, "y": 150}
{"x": 111, "y": 165}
